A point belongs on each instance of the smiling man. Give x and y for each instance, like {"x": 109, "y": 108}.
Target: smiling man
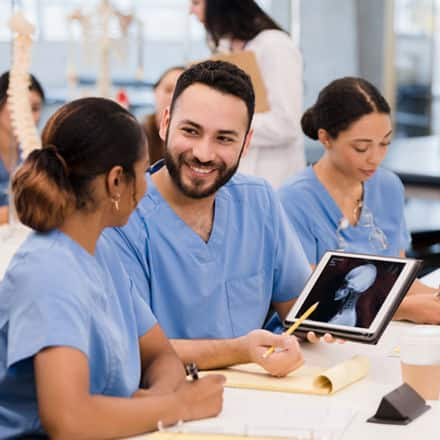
{"x": 211, "y": 250}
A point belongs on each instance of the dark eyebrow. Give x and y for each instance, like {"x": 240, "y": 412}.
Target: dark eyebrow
{"x": 369, "y": 140}
{"x": 199, "y": 127}
{"x": 192, "y": 123}
{"x": 228, "y": 133}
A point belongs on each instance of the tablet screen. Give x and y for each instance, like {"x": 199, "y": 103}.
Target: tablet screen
{"x": 351, "y": 290}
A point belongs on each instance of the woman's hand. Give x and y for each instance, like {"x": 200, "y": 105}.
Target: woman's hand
{"x": 201, "y": 398}
{"x": 420, "y": 308}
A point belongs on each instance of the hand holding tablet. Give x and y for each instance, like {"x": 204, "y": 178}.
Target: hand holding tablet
{"x": 357, "y": 293}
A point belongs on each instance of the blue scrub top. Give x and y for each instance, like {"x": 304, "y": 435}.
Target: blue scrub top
{"x": 316, "y": 217}
{"x": 57, "y": 294}
{"x": 222, "y": 288}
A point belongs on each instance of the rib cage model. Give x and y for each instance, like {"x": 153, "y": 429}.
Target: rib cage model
{"x": 19, "y": 80}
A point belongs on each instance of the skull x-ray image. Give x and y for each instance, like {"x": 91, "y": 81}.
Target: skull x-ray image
{"x": 355, "y": 283}
{"x": 351, "y": 291}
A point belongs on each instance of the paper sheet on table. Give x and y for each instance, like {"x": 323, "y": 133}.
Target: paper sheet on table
{"x": 307, "y": 379}
{"x": 286, "y": 422}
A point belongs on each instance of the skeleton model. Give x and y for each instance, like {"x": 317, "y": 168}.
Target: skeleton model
{"x": 18, "y": 96}
{"x": 100, "y": 21}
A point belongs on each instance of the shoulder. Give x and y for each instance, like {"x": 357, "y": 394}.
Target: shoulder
{"x": 145, "y": 212}
{"x": 248, "y": 189}
{"x": 274, "y": 40}
{"x": 41, "y": 249}
{"x": 302, "y": 185}
{"x": 270, "y": 36}
{"x": 387, "y": 181}
{"x": 45, "y": 266}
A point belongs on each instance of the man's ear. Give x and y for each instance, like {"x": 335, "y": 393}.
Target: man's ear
{"x": 324, "y": 138}
{"x": 247, "y": 142}
{"x": 164, "y": 123}
{"x": 114, "y": 180}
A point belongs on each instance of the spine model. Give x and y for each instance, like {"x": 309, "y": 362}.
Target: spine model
{"x": 18, "y": 95}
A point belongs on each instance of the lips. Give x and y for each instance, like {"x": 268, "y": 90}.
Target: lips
{"x": 368, "y": 172}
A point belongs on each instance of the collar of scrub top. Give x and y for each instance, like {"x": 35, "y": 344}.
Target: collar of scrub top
{"x": 377, "y": 236}
{"x": 156, "y": 166}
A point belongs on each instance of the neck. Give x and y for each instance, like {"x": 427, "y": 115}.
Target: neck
{"x": 84, "y": 228}
{"x": 346, "y": 192}
{"x": 337, "y": 181}
{"x": 198, "y": 214}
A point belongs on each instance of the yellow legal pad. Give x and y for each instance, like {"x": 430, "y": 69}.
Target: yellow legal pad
{"x": 307, "y": 379}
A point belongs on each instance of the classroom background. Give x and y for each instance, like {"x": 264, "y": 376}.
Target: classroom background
{"x": 392, "y": 43}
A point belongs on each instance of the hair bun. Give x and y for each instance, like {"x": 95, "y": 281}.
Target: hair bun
{"x": 52, "y": 149}
{"x": 308, "y": 124}
{"x": 42, "y": 191}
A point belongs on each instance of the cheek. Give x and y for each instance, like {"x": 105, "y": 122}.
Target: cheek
{"x": 36, "y": 116}
{"x": 178, "y": 144}
{"x": 351, "y": 159}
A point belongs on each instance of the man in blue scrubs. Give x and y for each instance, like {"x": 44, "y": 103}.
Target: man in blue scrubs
{"x": 210, "y": 249}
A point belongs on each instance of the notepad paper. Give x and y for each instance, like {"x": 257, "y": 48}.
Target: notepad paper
{"x": 287, "y": 422}
{"x": 307, "y": 379}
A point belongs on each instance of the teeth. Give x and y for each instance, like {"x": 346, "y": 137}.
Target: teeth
{"x": 201, "y": 170}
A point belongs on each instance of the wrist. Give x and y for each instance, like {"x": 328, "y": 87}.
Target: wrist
{"x": 242, "y": 350}
{"x": 403, "y": 311}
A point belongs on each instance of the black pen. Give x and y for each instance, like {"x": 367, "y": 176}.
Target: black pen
{"x": 192, "y": 370}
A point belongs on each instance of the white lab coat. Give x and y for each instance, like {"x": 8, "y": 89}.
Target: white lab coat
{"x": 277, "y": 147}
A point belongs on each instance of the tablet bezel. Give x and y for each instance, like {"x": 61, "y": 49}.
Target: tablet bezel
{"x": 388, "y": 308}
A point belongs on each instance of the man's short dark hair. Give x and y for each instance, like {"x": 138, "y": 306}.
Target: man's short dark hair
{"x": 219, "y": 75}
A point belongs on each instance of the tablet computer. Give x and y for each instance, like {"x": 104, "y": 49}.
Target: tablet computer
{"x": 358, "y": 295}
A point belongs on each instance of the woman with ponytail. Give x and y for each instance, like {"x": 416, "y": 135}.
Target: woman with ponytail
{"x": 346, "y": 200}
{"x": 81, "y": 355}
{"x": 9, "y": 148}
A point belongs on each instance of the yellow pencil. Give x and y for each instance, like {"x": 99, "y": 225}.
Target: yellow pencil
{"x": 293, "y": 327}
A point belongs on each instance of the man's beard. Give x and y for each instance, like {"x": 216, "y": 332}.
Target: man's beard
{"x": 197, "y": 189}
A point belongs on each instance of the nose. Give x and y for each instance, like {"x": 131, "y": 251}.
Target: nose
{"x": 203, "y": 151}
{"x": 376, "y": 155}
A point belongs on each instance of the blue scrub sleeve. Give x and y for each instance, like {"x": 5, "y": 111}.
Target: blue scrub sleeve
{"x": 44, "y": 320}
{"x": 144, "y": 316}
{"x": 291, "y": 266}
{"x": 129, "y": 244}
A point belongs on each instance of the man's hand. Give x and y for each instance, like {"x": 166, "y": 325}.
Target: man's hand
{"x": 311, "y": 337}
{"x": 286, "y": 357}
